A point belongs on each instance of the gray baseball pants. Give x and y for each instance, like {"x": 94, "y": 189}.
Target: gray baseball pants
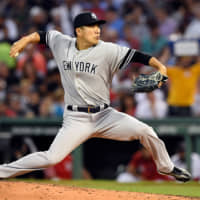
{"x": 78, "y": 127}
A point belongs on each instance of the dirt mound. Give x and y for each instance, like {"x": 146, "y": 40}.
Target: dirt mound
{"x": 34, "y": 191}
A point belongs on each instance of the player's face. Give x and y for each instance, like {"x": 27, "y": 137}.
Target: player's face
{"x": 90, "y": 34}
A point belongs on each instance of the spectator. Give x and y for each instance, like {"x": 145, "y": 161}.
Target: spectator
{"x": 95, "y": 7}
{"x": 132, "y": 41}
{"x": 181, "y": 14}
{"x": 106, "y": 4}
{"x": 130, "y": 38}
{"x": 19, "y": 10}
{"x": 32, "y": 56}
{"x": 127, "y": 104}
{"x": 137, "y": 20}
{"x": 3, "y": 91}
{"x": 68, "y": 10}
{"x": 38, "y": 18}
{"x": 14, "y": 104}
{"x": 141, "y": 167}
{"x": 45, "y": 109}
{"x": 62, "y": 170}
{"x": 154, "y": 42}
{"x": 4, "y": 74}
{"x": 34, "y": 103}
{"x": 114, "y": 21}
{"x": 151, "y": 105}
{"x": 167, "y": 25}
{"x": 8, "y": 29}
{"x": 30, "y": 73}
{"x": 24, "y": 91}
{"x": 193, "y": 29}
{"x": 182, "y": 90}
{"x": 53, "y": 80}
{"x": 113, "y": 36}
{"x": 55, "y": 20}
{"x": 179, "y": 159}
{"x": 47, "y": 5}
{"x": 5, "y": 111}
{"x": 58, "y": 102}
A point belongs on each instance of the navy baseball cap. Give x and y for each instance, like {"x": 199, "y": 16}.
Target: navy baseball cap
{"x": 86, "y": 19}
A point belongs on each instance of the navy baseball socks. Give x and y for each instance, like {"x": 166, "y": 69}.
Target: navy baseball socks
{"x": 179, "y": 174}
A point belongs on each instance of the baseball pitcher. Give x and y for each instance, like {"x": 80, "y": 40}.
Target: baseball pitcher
{"x": 87, "y": 66}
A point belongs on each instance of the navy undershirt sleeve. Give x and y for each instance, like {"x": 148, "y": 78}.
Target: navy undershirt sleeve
{"x": 42, "y": 37}
{"x": 141, "y": 58}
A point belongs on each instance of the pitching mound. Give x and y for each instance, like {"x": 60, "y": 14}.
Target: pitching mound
{"x": 33, "y": 191}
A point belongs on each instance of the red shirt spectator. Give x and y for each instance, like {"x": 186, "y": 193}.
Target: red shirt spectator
{"x": 97, "y": 9}
{"x": 36, "y": 57}
{"x": 143, "y": 166}
{"x": 62, "y": 170}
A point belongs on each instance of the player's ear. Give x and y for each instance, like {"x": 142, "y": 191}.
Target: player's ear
{"x": 78, "y": 31}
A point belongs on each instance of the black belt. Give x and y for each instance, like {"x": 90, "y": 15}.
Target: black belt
{"x": 87, "y": 109}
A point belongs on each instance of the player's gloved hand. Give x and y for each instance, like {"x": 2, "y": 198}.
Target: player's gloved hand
{"x": 148, "y": 82}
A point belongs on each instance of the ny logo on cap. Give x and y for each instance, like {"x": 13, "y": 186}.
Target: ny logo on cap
{"x": 93, "y": 16}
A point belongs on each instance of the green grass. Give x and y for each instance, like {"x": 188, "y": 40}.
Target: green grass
{"x": 191, "y": 189}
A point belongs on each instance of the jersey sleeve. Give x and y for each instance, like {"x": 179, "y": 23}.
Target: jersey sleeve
{"x": 118, "y": 57}
{"x": 55, "y": 37}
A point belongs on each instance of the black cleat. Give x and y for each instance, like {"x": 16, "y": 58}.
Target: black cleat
{"x": 179, "y": 174}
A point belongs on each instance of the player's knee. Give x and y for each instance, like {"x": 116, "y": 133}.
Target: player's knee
{"x": 148, "y": 131}
{"x": 53, "y": 159}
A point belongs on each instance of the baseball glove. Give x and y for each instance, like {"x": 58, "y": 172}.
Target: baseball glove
{"x": 148, "y": 82}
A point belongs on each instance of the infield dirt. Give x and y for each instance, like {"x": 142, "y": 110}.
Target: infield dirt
{"x": 35, "y": 191}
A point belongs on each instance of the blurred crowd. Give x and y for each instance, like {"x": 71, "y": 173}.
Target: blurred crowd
{"x": 30, "y": 84}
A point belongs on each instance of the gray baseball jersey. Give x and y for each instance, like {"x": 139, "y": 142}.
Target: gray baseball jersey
{"x": 86, "y": 75}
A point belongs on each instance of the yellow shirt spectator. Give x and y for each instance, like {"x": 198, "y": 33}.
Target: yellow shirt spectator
{"x": 183, "y": 83}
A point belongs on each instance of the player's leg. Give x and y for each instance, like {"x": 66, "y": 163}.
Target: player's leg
{"x": 73, "y": 132}
{"x": 119, "y": 126}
